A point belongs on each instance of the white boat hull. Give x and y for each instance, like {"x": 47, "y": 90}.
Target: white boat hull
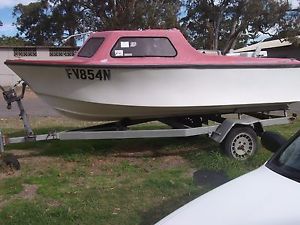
{"x": 161, "y": 92}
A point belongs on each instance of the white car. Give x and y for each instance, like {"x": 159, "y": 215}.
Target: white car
{"x": 269, "y": 195}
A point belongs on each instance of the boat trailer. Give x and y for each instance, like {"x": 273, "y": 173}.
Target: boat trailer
{"x": 238, "y": 137}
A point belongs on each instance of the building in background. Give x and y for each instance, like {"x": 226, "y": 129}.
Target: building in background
{"x": 9, "y": 78}
{"x": 273, "y": 49}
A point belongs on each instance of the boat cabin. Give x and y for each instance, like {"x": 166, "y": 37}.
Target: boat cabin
{"x": 151, "y": 47}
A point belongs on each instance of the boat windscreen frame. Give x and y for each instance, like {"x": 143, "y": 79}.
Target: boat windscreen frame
{"x": 94, "y": 49}
{"x": 146, "y": 56}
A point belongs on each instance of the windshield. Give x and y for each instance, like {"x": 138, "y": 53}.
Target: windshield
{"x": 90, "y": 47}
{"x": 287, "y": 161}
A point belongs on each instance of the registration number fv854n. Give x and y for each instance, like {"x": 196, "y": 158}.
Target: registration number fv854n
{"x": 88, "y": 74}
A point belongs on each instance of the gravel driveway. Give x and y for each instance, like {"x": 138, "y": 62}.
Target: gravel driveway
{"x": 33, "y": 105}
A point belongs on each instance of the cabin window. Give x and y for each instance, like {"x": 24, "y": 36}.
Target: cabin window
{"x": 91, "y": 47}
{"x": 25, "y": 51}
{"x": 143, "y": 47}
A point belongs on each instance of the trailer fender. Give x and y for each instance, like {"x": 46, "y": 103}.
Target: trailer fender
{"x": 224, "y": 128}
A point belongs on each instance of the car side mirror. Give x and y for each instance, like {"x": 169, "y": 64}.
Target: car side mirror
{"x": 272, "y": 141}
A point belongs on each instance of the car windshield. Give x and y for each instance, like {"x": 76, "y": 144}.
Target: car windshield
{"x": 287, "y": 161}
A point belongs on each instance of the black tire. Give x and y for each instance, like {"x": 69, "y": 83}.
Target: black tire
{"x": 240, "y": 143}
{"x": 12, "y": 162}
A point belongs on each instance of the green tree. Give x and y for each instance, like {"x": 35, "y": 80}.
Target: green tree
{"x": 33, "y": 21}
{"x": 12, "y": 41}
{"x": 68, "y": 18}
{"x": 131, "y": 14}
{"x": 225, "y": 24}
{"x": 49, "y": 21}
{"x": 292, "y": 27}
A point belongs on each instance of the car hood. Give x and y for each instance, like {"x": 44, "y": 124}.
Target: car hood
{"x": 261, "y": 197}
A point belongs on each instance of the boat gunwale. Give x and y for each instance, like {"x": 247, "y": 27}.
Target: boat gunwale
{"x": 154, "y": 66}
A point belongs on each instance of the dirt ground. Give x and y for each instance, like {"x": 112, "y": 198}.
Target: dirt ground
{"x": 33, "y": 105}
{"x": 296, "y": 108}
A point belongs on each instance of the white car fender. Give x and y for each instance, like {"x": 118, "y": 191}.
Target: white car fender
{"x": 261, "y": 197}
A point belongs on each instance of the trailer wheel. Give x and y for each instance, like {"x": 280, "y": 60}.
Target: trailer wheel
{"x": 12, "y": 162}
{"x": 240, "y": 143}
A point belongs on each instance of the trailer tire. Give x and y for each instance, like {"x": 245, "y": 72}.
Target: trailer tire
{"x": 240, "y": 143}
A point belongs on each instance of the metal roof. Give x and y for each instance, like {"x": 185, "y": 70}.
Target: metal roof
{"x": 264, "y": 45}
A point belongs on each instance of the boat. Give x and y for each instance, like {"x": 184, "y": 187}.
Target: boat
{"x": 157, "y": 74}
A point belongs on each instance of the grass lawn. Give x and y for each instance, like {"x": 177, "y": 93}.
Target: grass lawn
{"x": 109, "y": 182}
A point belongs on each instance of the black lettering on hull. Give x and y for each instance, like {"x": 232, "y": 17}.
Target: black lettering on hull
{"x": 88, "y": 74}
